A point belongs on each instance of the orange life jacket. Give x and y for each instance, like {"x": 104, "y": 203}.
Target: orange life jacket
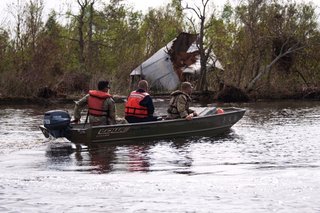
{"x": 133, "y": 108}
{"x": 95, "y": 102}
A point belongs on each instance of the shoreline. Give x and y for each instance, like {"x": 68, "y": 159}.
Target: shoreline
{"x": 9, "y": 101}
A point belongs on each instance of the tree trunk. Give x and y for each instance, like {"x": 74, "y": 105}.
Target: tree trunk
{"x": 90, "y": 34}
{"x": 81, "y": 40}
{"x": 264, "y": 70}
{"x": 203, "y": 70}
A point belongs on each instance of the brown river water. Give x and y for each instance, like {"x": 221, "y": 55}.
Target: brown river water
{"x": 268, "y": 162}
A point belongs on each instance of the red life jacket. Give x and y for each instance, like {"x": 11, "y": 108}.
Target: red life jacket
{"x": 133, "y": 108}
{"x": 95, "y": 102}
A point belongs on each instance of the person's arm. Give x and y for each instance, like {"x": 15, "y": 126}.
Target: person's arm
{"x": 182, "y": 106}
{"x": 147, "y": 102}
{"x": 111, "y": 107}
{"x": 78, "y": 107}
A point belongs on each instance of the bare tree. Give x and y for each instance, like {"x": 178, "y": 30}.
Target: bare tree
{"x": 90, "y": 35}
{"x": 283, "y": 36}
{"x": 86, "y": 8}
{"x": 80, "y": 18}
{"x": 17, "y": 11}
{"x": 205, "y": 50}
{"x": 266, "y": 69}
{"x": 34, "y": 21}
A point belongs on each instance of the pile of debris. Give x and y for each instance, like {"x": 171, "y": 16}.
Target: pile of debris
{"x": 178, "y": 61}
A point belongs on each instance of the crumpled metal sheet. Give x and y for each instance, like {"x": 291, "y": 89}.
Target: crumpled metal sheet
{"x": 164, "y": 70}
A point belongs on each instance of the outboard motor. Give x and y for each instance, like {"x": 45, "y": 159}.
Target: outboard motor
{"x": 57, "y": 122}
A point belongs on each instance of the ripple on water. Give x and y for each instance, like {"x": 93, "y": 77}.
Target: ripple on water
{"x": 19, "y": 130}
{"x": 268, "y": 162}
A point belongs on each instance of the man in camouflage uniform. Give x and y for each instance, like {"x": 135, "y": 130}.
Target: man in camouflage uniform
{"x": 180, "y": 102}
{"x": 101, "y": 106}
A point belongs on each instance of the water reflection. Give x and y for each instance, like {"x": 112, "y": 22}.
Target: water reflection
{"x": 268, "y": 162}
{"x": 132, "y": 158}
{"x": 98, "y": 158}
{"x": 175, "y": 155}
{"x": 59, "y": 155}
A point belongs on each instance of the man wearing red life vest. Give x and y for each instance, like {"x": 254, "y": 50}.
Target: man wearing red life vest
{"x": 139, "y": 106}
{"x": 101, "y": 106}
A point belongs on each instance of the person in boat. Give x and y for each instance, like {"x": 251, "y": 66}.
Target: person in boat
{"x": 180, "y": 102}
{"x": 101, "y": 106}
{"x": 139, "y": 106}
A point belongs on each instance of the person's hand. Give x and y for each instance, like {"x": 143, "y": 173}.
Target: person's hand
{"x": 189, "y": 117}
{"x": 75, "y": 121}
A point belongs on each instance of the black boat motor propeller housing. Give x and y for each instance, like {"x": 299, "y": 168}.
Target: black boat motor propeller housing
{"x": 57, "y": 122}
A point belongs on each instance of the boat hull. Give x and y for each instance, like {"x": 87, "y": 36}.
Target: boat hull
{"x": 210, "y": 125}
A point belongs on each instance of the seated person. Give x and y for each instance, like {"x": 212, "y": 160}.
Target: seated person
{"x": 101, "y": 106}
{"x": 180, "y": 102}
{"x": 139, "y": 106}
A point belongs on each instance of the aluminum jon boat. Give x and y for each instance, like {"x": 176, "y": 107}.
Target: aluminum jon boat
{"x": 57, "y": 124}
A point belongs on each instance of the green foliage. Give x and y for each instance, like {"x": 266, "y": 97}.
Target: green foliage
{"x": 263, "y": 31}
{"x": 159, "y": 27}
{"x": 115, "y": 39}
{"x": 4, "y": 48}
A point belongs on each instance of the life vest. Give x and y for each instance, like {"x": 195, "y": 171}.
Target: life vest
{"x": 133, "y": 108}
{"x": 95, "y": 102}
{"x": 173, "y": 104}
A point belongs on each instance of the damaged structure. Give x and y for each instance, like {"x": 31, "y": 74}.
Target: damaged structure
{"x": 178, "y": 61}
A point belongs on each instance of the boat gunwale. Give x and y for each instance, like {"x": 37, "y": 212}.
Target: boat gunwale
{"x": 236, "y": 110}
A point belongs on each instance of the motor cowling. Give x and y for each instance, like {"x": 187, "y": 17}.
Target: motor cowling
{"x": 57, "y": 122}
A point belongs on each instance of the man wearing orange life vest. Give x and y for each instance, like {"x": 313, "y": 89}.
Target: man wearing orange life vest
{"x": 101, "y": 106}
{"x": 139, "y": 106}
